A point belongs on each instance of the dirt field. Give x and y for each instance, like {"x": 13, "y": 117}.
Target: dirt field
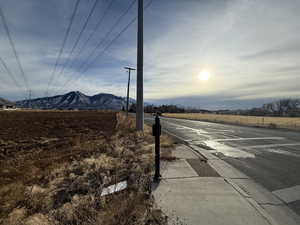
{"x": 54, "y": 165}
{"x": 271, "y": 122}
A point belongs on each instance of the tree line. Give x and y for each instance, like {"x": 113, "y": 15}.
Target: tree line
{"x": 284, "y": 108}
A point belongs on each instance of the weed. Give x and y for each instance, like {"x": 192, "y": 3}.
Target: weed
{"x": 59, "y": 178}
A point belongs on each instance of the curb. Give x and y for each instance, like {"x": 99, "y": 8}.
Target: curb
{"x": 290, "y": 216}
{"x": 202, "y": 157}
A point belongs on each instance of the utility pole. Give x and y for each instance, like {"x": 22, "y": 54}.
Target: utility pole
{"x": 127, "y": 102}
{"x": 140, "y": 61}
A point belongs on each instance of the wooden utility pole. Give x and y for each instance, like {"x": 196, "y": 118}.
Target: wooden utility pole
{"x": 140, "y": 62}
{"x": 128, "y": 86}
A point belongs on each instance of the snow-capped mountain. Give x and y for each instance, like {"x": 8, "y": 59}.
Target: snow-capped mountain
{"x": 77, "y": 100}
{"x": 4, "y": 102}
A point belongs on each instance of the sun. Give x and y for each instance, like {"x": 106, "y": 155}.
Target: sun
{"x": 204, "y": 75}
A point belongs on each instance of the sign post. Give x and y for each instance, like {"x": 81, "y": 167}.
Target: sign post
{"x": 156, "y": 132}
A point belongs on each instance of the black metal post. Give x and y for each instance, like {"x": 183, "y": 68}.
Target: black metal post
{"x": 157, "y": 132}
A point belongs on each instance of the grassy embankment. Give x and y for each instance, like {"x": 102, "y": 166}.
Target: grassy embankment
{"x": 269, "y": 122}
{"x": 54, "y": 165}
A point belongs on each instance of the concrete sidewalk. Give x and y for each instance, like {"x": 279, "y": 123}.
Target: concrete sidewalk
{"x": 195, "y": 192}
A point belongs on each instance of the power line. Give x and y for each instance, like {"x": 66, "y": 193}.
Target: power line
{"x": 117, "y": 37}
{"x": 107, "y": 47}
{"x": 13, "y": 48}
{"x": 10, "y": 73}
{"x": 79, "y": 36}
{"x": 110, "y": 31}
{"x": 101, "y": 53}
{"x": 98, "y": 25}
{"x": 63, "y": 44}
{"x": 84, "y": 63}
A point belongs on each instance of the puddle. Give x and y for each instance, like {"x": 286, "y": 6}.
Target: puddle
{"x": 228, "y": 150}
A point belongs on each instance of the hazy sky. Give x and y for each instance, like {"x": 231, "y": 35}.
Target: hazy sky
{"x": 250, "y": 47}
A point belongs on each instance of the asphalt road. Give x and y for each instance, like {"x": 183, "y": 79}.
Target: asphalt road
{"x": 270, "y": 157}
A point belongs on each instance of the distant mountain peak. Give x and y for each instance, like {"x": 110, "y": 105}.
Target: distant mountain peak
{"x": 5, "y": 102}
{"x": 75, "y": 92}
{"x": 77, "y": 100}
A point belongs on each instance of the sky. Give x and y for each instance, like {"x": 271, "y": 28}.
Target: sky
{"x": 251, "y": 48}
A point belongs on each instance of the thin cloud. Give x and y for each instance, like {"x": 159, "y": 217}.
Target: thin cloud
{"x": 250, "y": 47}
{"x": 276, "y": 52}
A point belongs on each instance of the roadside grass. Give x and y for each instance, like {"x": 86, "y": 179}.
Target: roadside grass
{"x": 268, "y": 122}
{"x": 59, "y": 181}
{"x": 167, "y": 145}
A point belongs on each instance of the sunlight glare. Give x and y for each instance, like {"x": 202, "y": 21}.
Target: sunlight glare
{"x": 204, "y": 75}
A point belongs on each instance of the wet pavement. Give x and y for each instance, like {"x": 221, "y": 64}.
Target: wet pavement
{"x": 271, "y": 157}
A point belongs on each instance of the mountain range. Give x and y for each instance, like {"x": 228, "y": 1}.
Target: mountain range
{"x": 5, "y": 102}
{"x": 77, "y": 100}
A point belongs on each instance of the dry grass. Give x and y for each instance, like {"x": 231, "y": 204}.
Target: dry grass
{"x": 167, "y": 145}
{"x": 269, "y": 122}
{"x": 63, "y": 185}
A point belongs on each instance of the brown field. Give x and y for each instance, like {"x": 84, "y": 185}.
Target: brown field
{"x": 270, "y": 122}
{"x": 53, "y": 166}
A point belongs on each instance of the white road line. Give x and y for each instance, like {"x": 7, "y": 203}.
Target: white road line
{"x": 228, "y": 150}
{"x": 288, "y": 195}
{"x": 272, "y": 145}
{"x": 231, "y": 136}
{"x": 282, "y": 152}
{"x": 201, "y": 131}
{"x": 245, "y": 139}
{"x": 220, "y": 130}
{"x": 179, "y": 127}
